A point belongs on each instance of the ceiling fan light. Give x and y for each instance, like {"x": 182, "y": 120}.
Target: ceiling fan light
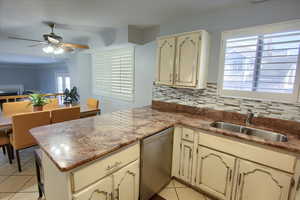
{"x": 59, "y": 51}
{"x": 48, "y": 49}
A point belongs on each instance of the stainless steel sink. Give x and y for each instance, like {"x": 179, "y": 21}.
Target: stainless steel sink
{"x": 267, "y": 135}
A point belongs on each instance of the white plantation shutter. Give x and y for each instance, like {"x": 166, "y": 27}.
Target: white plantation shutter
{"x": 261, "y": 65}
{"x": 265, "y": 63}
{"x": 113, "y": 73}
{"x": 101, "y": 74}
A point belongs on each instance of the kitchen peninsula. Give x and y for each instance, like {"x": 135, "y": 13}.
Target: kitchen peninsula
{"x": 99, "y": 156}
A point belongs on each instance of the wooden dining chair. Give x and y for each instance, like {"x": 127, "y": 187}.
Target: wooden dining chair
{"x": 65, "y": 114}
{"x": 12, "y": 108}
{"x": 4, "y": 143}
{"x": 52, "y": 104}
{"x": 93, "y": 103}
{"x": 22, "y": 123}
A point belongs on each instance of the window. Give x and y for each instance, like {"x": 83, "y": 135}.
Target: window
{"x": 63, "y": 81}
{"x": 113, "y": 73}
{"x": 262, "y": 64}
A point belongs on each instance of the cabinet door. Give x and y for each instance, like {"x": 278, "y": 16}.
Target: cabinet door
{"x": 165, "y": 61}
{"x": 215, "y": 172}
{"x": 186, "y": 160}
{"x": 126, "y": 182}
{"x": 102, "y": 190}
{"x": 261, "y": 183}
{"x": 187, "y": 60}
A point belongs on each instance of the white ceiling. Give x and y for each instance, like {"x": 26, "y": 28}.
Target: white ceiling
{"x": 81, "y": 20}
{"x": 9, "y": 58}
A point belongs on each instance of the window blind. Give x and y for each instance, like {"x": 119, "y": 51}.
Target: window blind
{"x": 262, "y": 63}
{"x": 113, "y": 73}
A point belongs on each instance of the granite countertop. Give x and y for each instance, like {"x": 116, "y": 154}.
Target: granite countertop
{"x": 74, "y": 143}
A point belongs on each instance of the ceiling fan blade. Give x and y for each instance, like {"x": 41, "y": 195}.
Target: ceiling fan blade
{"x": 78, "y": 46}
{"x": 26, "y": 39}
{"x": 40, "y": 43}
{"x": 75, "y": 27}
{"x": 68, "y": 49}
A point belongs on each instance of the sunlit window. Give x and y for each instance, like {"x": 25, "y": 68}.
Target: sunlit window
{"x": 262, "y": 63}
{"x": 63, "y": 82}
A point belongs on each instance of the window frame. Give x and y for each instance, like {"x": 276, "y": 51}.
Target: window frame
{"x": 287, "y": 26}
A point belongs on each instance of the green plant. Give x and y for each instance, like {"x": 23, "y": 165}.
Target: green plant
{"x": 71, "y": 96}
{"x": 38, "y": 100}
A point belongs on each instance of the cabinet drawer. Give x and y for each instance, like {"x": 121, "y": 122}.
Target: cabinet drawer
{"x": 187, "y": 134}
{"x": 89, "y": 174}
{"x": 250, "y": 152}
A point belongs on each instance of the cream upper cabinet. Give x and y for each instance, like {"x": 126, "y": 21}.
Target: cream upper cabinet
{"x": 102, "y": 190}
{"x": 187, "y": 60}
{"x": 182, "y": 60}
{"x": 214, "y": 172}
{"x": 261, "y": 183}
{"x": 126, "y": 182}
{"x": 165, "y": 60}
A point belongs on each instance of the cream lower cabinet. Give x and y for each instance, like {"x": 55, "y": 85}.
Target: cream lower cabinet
{"x": 186, "y": 160}
{"x": 183, "y": 154}
{"x": 232, "y": 170}
{"x": 121, "y": 185}
{"x": 256, "y": 182}
{"x": 102, "y": 190}
{"x": 214, "y": 172}
{"x": 114, "y": 177}
{"x": 126, "y": 183}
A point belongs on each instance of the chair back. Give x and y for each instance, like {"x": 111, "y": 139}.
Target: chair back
{"x": 12, "y": 108}
{"x": 52, "y": 104}
{"x": 22, "y": 123}
{"x": 65, "y": 114}
{"x": 93, "y": 103}
{"x": 4, "y": 139}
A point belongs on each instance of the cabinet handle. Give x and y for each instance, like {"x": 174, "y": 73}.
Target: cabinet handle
{"x": 110, "y": 167}
{"x": 230, "y": 175}
{"x": 186, "y": 135}
{"x": 117, "y": 194}
{"x": 180, "y": 159}
{"x": 176, "y": 77}
{"x": 239, "y": 179}
{"x": 171, "y": 77}
{"x": 298, "y": 184}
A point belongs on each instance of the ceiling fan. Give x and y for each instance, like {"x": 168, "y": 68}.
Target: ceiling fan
{"x": 54, "y": 43}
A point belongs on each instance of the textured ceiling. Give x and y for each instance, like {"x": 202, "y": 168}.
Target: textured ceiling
{"x": 81, "y": 20}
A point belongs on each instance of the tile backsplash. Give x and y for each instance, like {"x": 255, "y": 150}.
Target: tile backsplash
{"x": 208, "y": 98}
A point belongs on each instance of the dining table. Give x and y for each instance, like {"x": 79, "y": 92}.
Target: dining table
{"x": 85, "y": 111}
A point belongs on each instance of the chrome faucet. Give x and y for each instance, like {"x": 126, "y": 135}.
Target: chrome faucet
{"x": 249, "y": 118}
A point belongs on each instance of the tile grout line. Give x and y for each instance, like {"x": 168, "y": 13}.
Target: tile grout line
{"x": 4, "y": 179}
{"x": 15, "y": 173}
{"x": 20, "y": 188}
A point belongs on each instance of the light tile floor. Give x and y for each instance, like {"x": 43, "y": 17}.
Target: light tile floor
{"x": 178, "y": 191}
{"x": 15, "y": 185}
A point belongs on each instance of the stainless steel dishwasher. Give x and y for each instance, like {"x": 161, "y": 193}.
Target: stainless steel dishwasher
{"x": 156, "y": 163}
